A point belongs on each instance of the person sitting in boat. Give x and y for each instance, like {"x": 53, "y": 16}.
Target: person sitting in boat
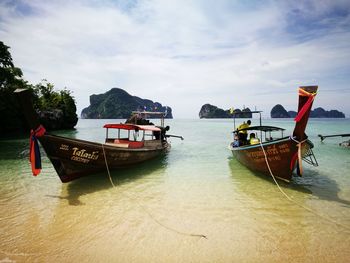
{"x": 162, "y": 134}
{"x": 156, "y": 135}
{"x": 243, "y": 135}
{"x": 235, "y": 141}
{"x": 253, "y": 139}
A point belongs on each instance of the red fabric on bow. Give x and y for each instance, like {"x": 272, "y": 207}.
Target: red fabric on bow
{"x": 306, "y": 106}
{"x": 34, "y": 151}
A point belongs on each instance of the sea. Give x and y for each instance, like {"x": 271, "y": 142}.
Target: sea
{"x": 196, "y": 203}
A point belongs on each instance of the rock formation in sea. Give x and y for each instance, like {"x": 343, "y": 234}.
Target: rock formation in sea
{"x": 245, "y": 113}
{"x": 292, "y": 113}
{"x": 321, "y": 113}
{"x": 118, "y": 104}
{"x": 278, "y": 111}
{"x": 56, "y": 119}
{"x": 209, "y": 111}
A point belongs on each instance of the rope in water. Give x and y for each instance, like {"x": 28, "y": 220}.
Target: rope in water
{"x": 293, "y": 201}
{"x": 144, "y": 209}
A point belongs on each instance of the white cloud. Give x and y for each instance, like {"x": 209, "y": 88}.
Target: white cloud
{"x": 182, "y": 53}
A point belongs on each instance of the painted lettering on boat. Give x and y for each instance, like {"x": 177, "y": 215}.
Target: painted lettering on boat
{"x": 83, "y": 156}
{"x": 64, "y": 147}
{"x": 79, "y": 159}
{"x": 284, "y": 148}
{"x": 273, "y": 153}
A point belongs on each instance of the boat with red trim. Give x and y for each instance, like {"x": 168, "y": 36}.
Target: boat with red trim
{"x": 130, "y": 144}
{"x": 279, "y": 155}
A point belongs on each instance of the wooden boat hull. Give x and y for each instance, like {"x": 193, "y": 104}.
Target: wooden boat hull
{"x": 74, "y": 158}
{"x": 281, "y": 155}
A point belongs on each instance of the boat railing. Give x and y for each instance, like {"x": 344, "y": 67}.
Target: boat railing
{"x": 309, "y": 157}
{"x": 133, "y": 137}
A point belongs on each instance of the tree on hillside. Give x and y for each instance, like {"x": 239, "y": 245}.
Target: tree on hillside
{"x": 10, "y": 75}
{"x": 51, "y": 102}
{"x": 57, "y": 110}
{"x": 10, "y": 79}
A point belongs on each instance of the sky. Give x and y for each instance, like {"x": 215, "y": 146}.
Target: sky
{"x": 185, "y": 53}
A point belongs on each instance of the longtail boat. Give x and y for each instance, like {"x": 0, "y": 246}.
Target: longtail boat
{"x": 344, "y": 143}
{"x": 283, "y": 154}
{"x": 73, "y": 158}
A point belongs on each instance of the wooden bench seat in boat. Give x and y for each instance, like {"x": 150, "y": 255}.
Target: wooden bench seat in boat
{"x": 128, "y": 144}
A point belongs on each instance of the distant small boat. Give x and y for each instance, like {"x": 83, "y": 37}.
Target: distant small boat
{"x": 131, "y": 144}
{"x": 283, "y": 154}
{"x": 344, "y": 143}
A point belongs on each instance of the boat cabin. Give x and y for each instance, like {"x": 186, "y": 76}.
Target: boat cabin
{"x": 133, "y": 136}
{"x": 257, "y": 134}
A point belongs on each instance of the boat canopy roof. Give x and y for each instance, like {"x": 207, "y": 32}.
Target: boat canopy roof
{"x": 127, "y": 126}
{"x": 261, "y": 128}
{"x": 244, "y": 112}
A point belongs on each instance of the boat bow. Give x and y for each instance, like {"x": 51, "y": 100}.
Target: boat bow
{"x": 307, "y": 95}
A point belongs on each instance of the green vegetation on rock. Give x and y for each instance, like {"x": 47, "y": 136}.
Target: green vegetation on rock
{"x": 209, "y": 111}
{"x": 56, "y": 109}
{"x": 278, "y": 111}
{"x": 118, "y": 104}
{"x": 10, "y": 77}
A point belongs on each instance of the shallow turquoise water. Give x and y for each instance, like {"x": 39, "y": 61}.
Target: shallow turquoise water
{"x": 196, "y": 188}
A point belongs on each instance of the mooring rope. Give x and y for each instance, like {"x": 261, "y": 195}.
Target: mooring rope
{"x": 144, "y": 209}
{"x": 295, "y": 202}
{"x": 109, "y": 174}
{"x": 299, "y": 155}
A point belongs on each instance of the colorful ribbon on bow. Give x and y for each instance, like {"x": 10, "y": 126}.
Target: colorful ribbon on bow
{"x": 297, "y": 158}
{"x": 307, "y": 105}
{"x": 34, "y": 153}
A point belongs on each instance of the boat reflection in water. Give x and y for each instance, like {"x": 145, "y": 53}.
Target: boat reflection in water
{"x": 78, "y": 191}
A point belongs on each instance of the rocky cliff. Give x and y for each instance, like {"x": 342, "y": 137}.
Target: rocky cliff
{"x": 118, "y": 104}
{"x": 292, "y": 114}
{"x": 278, "y": 111}
{"x": 321, "y": 113}
{"x": 209, "y": 111}
{"x": 56, "y": 109}
{"x": 56, "y": 119}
